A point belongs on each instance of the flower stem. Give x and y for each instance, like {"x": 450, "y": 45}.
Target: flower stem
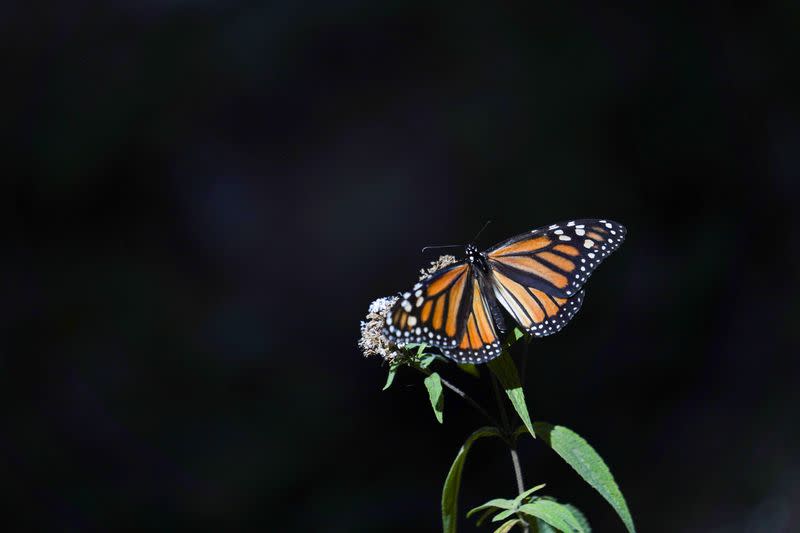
{"x": 517, "y": 470}
{"x": 512, "y": 446}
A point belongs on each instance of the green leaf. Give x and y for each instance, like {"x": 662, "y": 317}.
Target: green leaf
{"x": 540, "y": 526}
{"x": 503, "y": 515}
{"x": 434, "y": 385}
{"x": 507, "y": 526}
{"x": 521, "y": 430}
{"x": 503, "y": 367}
{"x": 509, "y": 506}
{"x": 472, "y": 370}
{"x": 426, "y": 359}
{"x": 580, "y": 517}
{"x": 497, "y": 503}
{"x": 588, "y": 464}
{"x": 452, "y": 482}
{"x": 557, "y": 515}
{"x": 481, "y": 519}
{"x": 390, "y": 376}
{"x": 518, "y": 499}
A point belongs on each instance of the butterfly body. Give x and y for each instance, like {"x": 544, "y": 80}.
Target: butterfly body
{"x": 537, "y": 277}
{"x": 483, "y": 271}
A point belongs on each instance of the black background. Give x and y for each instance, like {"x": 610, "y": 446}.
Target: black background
{"x": 205, "y": 198}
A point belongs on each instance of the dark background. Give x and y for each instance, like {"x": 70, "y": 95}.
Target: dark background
{"x": 205, "y": 197}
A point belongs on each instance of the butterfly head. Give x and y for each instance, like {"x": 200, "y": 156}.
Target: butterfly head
{"x": 472, "y": 253}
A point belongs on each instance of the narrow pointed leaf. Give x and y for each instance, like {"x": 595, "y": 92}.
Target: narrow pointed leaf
{"x": 484, "y": 516}
{"x": 518, "y": 499}
{"x": 502, "y": 515}
{"x": 540, "y": 526}
{"x": 507, "y": 526}
{"x": 452, "y": 482}
{"x": 434, "y": 385}
{"x": 390, "y": 376}
{"x": 426, "y": 360}
{"x": 588, "y": 464}
{"x": 522, "y": 430}
{"x": 497, "y": 503}
{"x": 503, "y": 367}
{"x": 556, "y": 514}
{"x": 580, "y": 517}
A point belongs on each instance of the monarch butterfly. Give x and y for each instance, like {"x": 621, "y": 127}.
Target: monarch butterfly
{"x": 537, "y": 277}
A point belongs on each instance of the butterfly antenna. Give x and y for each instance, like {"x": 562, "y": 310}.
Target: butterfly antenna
{"x": 481, "y": 231}
{"x": 442, "y": 246}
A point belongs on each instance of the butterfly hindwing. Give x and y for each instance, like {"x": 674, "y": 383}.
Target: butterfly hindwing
{"x": 558, "y": 259}
{"x": 536, "y": 312}
{"x": 450, "y": 311}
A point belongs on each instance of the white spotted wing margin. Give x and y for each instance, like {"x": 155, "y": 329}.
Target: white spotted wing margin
{"x": 557, "y": 259}
{"x": 451, "y": 311}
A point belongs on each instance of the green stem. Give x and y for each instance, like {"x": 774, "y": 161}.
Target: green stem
{"x": 517, "y": 471}
{"x": 511, "y": 441}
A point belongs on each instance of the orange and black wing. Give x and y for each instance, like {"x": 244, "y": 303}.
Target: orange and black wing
{"x": 558, "y": 259}
{"x": 450, "y": 311}
{"x": 537, "y": 312}
{"x": 538, "y": 277}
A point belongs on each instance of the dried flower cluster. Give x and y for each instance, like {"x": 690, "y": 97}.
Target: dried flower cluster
{"x": 372, "y": 341}
{"x": 443, "y": 261}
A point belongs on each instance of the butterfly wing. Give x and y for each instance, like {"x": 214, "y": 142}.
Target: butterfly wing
{"x": 538, "y": 276}
{"x": 558, "y": 259}
{"x": 537, "y": 312}
{"x": 450, "y": 310}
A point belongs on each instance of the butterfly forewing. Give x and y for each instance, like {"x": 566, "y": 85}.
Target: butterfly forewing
{"x": 450, "y": 311}
{"x": 558, "y": 259}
